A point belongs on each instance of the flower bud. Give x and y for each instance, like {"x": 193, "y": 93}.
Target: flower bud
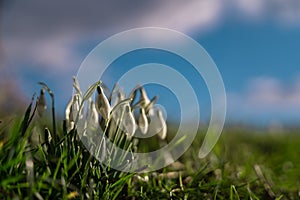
{"x": 119, "y": 97}
{"x": 144, "y": 98}
{"x": 149, "y": 108}
{"x": 94, "y": 114}
{"x": 143, "y": 121}
{"x": 75, "y": 107}
{"x": 41, "y": 103}
{"x": 129, "y": 121}
{"x": 163, "y": 125}
{"x": 68, "y": 110}
{"x": 71, "y": 112}
{"x": 102, "y": 103}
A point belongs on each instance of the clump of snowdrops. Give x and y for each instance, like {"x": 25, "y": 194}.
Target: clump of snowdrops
{"x": 105, "y": 119}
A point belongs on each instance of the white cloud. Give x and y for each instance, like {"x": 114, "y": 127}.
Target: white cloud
{"x": 185, "y": 16}
{"x": 55, "y": 53}
{"x": 283, "y": 12}
{"x": 46, "y": 33}
{"x": 251, "y": 8}
{"x": 266, "y": 97}
{"x": 288, "y": 11}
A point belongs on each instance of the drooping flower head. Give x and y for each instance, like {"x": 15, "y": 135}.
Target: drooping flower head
{"x": 102, "y": 104}
{"x": 129, "y": 121}
{"x": 143, "y": 121}
{"x": 41, "y": 103}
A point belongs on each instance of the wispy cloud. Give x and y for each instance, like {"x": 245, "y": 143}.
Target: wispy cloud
{"x": 267, "y": 97}
{"x": 285, "y": 12}
{"x": 185, "y": 16}
{"x": 56, "y": 52}
{"x": 46, "y": 34}
{"x": 250, "y": 8}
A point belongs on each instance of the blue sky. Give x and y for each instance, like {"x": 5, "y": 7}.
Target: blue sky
{"x": 253, "y": 56}
{"x": 254, "y": 43}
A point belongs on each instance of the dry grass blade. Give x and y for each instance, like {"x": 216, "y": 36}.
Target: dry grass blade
{"x": 262, "y": 178}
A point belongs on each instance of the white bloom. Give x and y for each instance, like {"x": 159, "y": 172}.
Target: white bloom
{"x": 71, "y": 112}
{"x": 143, "y": 121}
{"x": 102, "y": 103}
{"x": 75, "y": 107}
{"x": 119, "y": 97}
{"x": 92, "y": 114}
{"x": 41, "y": 103}
{"x": 144, "y": 98}
{"x": 77, "y": 89}
{"x": 162, "y": 133}
{"x": 129, "y": 121}
{"x": 146, "y": 103}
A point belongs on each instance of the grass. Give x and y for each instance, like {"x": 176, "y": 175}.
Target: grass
{"x": 244, "y": 164}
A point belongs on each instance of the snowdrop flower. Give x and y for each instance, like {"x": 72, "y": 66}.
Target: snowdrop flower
{"x": 72, "y": 111}
{"x": 119, "y": 97}
{"x": 149, "y": 108}
{"x": 133, "y": 93}
{"x": 102, "y": 103}
{"x": 163, "y": 125}
{"x": 68, "y": 111}
{"x": 143, "y": 121}
{"x": 75, "y": 107}
{"x": 129, "y": 121}
{"x": 146, "y": 103}
{"x": 41, "y": 103}
{"x": 158, "y": 124}
{"x": 92, "y": 114}
{"x": 77, "y": 88}
{"x": 144, "y": 98}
